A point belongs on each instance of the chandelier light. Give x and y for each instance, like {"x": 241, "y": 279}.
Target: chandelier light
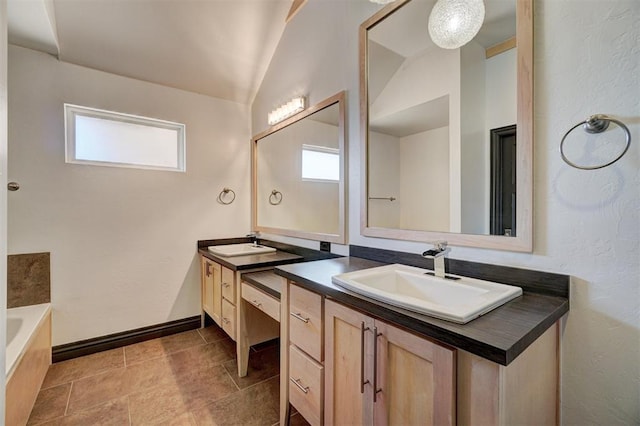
{"x": 454, "y": 23}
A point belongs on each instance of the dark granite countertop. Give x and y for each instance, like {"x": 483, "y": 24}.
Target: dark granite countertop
{"x": 500, "y": 335}
{"x": 240, "y": 263}
{"x": 266, "y": 281}
{"x": 286, "y": 253}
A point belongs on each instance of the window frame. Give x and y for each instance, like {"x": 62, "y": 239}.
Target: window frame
{"x": 71, "y": 111}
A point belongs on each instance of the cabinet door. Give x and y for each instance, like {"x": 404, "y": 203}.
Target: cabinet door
{"x": 348, "y": 334}
{"x": 211, "y": 290}
{"x": 415, "y": 379}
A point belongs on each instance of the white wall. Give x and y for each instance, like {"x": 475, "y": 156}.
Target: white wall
{"x": 586, "y": 224}
{"x": 424, "y": 180}
{"x": 122, "y": 241}
{"x": 384, "y": 157}
{"x": 473, "y": 149}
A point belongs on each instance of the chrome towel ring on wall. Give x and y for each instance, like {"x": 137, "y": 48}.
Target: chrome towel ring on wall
{"x": 224, "y": 195}
{"x": 596, "y": 124}
{"x": 275, "y": 197}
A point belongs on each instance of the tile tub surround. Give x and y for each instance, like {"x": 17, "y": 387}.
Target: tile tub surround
{"x": 28, "y": 279}
{"x": 187, "y": 378}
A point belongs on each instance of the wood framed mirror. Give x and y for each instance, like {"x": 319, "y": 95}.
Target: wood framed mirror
{"x": 428, "y": 116}
{"x": 299, "y": 173}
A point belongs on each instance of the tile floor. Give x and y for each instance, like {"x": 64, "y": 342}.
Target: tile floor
{"x": 184, "y": 379}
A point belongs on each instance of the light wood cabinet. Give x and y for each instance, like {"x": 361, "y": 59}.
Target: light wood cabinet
{"x": 211, "y": 291}
{"x": 306, "y": 385}
{"x": 379, "y": 374}
{"x": 305, "y": 352}
{"x": 218, "y": 286}
{"x": 417, "y": 381}
{"x": 224, "y": 300}
{"x": 262, "y": 301}
{"x": 229, "y": 318}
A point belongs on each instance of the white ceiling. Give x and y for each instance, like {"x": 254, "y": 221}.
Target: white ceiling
{"x": 219, "y": 48}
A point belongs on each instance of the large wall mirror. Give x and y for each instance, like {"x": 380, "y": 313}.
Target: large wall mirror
{"x": 448, "y": 132}
{"x": 299, "y": 174}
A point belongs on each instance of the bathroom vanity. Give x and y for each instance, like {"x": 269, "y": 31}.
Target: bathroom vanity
{"x": 223, "y": 296}
{"x": 346, "y": 358}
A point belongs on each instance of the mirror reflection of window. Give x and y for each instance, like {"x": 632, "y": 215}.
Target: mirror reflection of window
{"x": 320, "y": 163}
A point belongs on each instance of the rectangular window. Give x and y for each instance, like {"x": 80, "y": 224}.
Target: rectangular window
{"x": 320, "y": 163}
{"x": 107, "y": 138}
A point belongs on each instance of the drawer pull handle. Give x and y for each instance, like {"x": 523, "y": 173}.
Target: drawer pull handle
{"x": 300, "y": 317}
{"x": 296, "y": 382}
{"x": 225, "y": 285}
{"x": 256, "y": 303}
{"x": 362, "y": 380}
{"x": 226, "y": 321}
{"x": 208, "y": 274}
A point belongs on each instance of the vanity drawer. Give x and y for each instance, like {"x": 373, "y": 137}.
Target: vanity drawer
{"x": 306, "y": 385}
{"x": 262, "y": 301}
{"x": 228, "y": 285}
{"x": 229, "y": 318}
{"x": 305, "y": 321}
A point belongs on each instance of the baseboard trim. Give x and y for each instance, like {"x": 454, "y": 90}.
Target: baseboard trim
{"x": 118, "y": 340}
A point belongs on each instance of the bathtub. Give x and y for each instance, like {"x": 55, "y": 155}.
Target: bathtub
{"x": 28, "y": 356}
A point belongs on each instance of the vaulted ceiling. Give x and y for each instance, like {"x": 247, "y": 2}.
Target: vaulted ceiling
{"x": 220, "y": 48}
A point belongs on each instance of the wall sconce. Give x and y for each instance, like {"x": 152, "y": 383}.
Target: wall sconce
{"x": 292, "y": 107}
{"x": 454, "y": 23}
{"x": 382, "y": 1}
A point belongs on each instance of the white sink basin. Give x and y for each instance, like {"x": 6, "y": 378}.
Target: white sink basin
{"x": 411, "y": 288}
{"x": 245, "y": 249}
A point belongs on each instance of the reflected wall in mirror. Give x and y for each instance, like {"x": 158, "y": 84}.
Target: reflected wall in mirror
{"x": 448, "y": 132}
{"x": 298, "y": 175}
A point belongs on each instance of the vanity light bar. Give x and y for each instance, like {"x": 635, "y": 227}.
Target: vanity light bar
{"x": 292, "y": 107}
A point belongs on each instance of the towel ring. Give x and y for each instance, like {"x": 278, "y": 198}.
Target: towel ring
{"x": 224, "y": 193}
{"x": 275, "y": 197}
{"x": 596, "y": 124}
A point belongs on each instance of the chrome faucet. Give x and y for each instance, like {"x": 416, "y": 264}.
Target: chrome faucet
{"x": 254, "y": 237}
{"x": 438, "y": 254}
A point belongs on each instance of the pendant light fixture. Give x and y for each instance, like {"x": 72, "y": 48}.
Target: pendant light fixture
{"x": 454, "y": 23}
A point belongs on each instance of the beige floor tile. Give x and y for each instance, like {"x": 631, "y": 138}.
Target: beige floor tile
{"x": 262, "y": 365}
{"x": 255, "y": 405}
{"x": 111, "y": 413}
{"x": 74, "y": 369}
{"x": 203, "y": 356}
{"x": 191, "y": 391}
{"x": 51, "y": 403}
{"x": 212, "y": 333}
{"x": 110, "y": 385}
{"x": 162, "y": 346}
{"x": 185, "y": 419}
{"x": 179, "y": 380}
